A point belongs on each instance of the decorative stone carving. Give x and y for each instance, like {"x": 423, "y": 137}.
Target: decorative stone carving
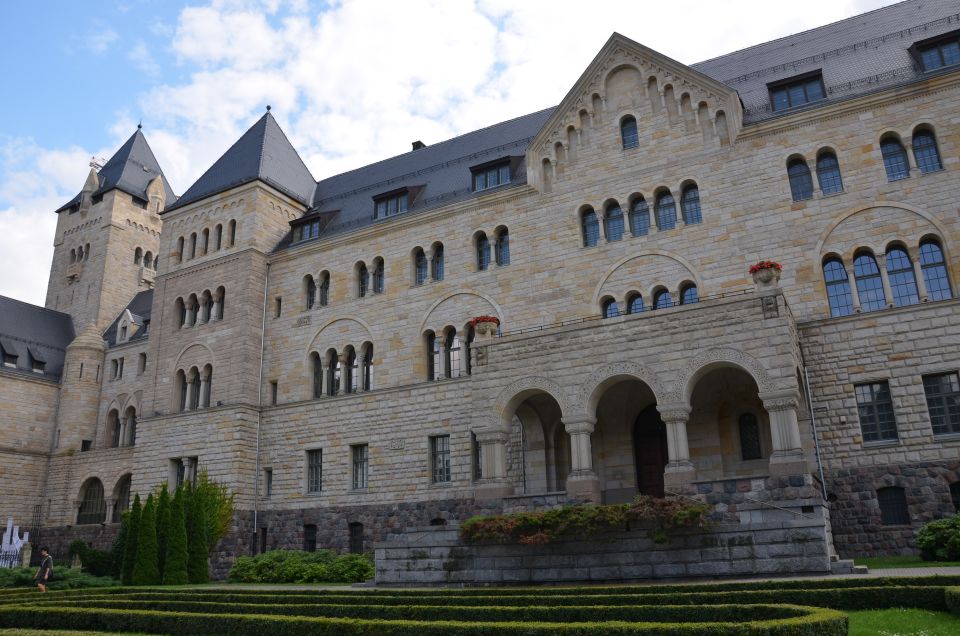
{"x": 607, "y": 371}
{"x": 532, "y": 383}
{"x": 721, "y": 354}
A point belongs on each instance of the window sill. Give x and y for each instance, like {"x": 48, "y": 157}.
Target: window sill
{"x": 937, "y": 171}
{"x": 947, "y": 437}
{"x": 357, "y": 491}
{"x": 882, "y": 443}
{"x": 441, "y": 484}
{"x": 830, "y": 195}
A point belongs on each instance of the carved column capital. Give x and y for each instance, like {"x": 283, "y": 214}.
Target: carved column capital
{"x": 675, "y": 412}
{"x": 582, "y": 425}
{"x": 780, "y": 400}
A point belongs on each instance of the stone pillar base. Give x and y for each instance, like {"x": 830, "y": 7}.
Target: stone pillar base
{"x": 788, "y": 465}
{"x": 679, "y": 477}
{"x": 585, "y": 486}
{"x": 492, "y": 489}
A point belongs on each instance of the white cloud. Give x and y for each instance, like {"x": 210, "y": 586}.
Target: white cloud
{"x": 101, "y": 39}
{"x": 143, "y": 59}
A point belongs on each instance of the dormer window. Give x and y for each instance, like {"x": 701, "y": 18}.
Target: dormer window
{"x": 309, "y": 226}
{"x": 491, "y": 175}
{"x": 390, "y": 203}
{"x": 37, "y": 363}
{"x": 937, "y": 52}
{"x": 123, "y": 333}
{"x": 9, "y": 356}
{"x": 306, "y": 231}
{"x": 797, "y": 91}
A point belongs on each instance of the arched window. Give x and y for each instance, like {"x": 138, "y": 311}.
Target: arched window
{"x": 503, "y": 247}
{"x": 483, "y": 252}
{"x": 192, "y": 307}
{"x": 639, "y": 217}
{"x": 828, "y": 173}
{"x": 309, "y": 291}
{"x": 610, "y": 308}
{"x": 662, "y": 299}
{"x": 378, "y": 275}
{"x": 220, "y": 303}
{"x": 366, "y": 368}
{"x": 666, "y": 211}
{"x": 749, "y": 430}
{"x": 419, "y": 267}
{"x": 363, "y": 280}
{"x": 218, "y": 237}
{"x": 205, "y": 241}
{"x": 934, "y": 271}
{"x": 903, "y": 282}
{"x": 893, "y": 506}
{"x": 628, "y": 132}
{"x": 316, "y": 366}
{"x": 838, "y": 287}
{"x": 148, "y": 260}
{"x": 471, "y": 335}
{"x": 324, "y": 289}
{"x": 194, "y": 389}
{"x": 434, "y": 363}
{"x": 86, "y": 252}
{"x": 690, "y": 205}
{"x": 801, "y": 183}
{"x": 231, "y": 233}
{"x": 591, "y": 227}
{"x": 193, "y": 245}
{"x": 613, "y": 222}
{"x": 436, "y": 265}
{"x": 635, "y": 304}
{"x": 73, "y": 255}
{"x": 333, "y": 373}
{"x": 925, "y": 151}
{"x": 350, "y": 372}
{"x": 137, "y": 256}
{"x": 451, "y": 354}
{"x": 113, "y": 427}
{"x": 206, "y": 301}
{"x": 894, "y": 159}
{"x": 181, "y": 387}
{"x": 93, "y": 508}
{"x": 688, "y": 295}
{"x": 122, "y": 499}
{"x": 206, "y": 386}
{"x": 869, "y": 282}
{"x": 181, "y": 310}
{"x": 180, "y": 250}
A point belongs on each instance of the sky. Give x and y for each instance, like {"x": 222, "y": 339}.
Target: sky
{"x": 350, "y": 81}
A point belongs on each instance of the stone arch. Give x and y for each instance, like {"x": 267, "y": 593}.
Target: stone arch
{"x": 463, "y": 298}
{"x": 197, "y": 352}
{"x": 603, "y": 377}
{"x": 512, "y": 395}
{"x": 134, "y": 400}
{"x": 339, "y": 342}
{"x": 710, "y": 359}
{"x": 691, "y": 274}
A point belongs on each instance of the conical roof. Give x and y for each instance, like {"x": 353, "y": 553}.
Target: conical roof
{"x": 263, "y": 153}
{"x": 89, "y": 338}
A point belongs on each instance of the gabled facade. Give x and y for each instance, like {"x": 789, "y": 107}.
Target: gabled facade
{"x": 313, "y": 343}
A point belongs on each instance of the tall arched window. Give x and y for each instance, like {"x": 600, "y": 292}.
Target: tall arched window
{"x": 934, "y": 271}
{"x": 801, "y": 183}
{"x": 378, "y": 275}
{"x": 894, "y": 159}
{"x": 639, "y": 217}
{"x": 148, "y": 260}
{"x": 122, "y": 499}
{"x": 363, "y": 280}
{"x": 366, "y": 368}
{"x": 838, "y": 287}
{"x": 610, "y": 308}
{"x": 93, "y": 508}
{"x": 193, "y": 245}
{"x": 309, "y": 291}
{"x": 131, "y": 434}
{"x": 324, "y": 289}
{"x": 635, "y": 304}
{"x": 333, "y": 372}
{"x": 434, "y": 363}
{"x": 591, "y": 227}
{"x": 688, "y": 294}
{"x": 925, "y": 151}
{"x": 690, "y": 204}
{"x": 350, "y": 372}
{"x": 662, "y": 299}
{"x": 419, "y": 267}
{"x": 205, "y": 241}
{"x": 206, "y": 386}
{"x": 828, "y": 173}
{"x": 628, "y": 132}
{"x": 73, "y": 255}
{"x": 231, "y": 233}
{"x": 468, "y": 343}
{"x": 220, "y": 301}
{"x": 181, "y": 310}
{"x": 483, "y": 251}
{"x": 869, "y": 283}
{"x": 666, "y": 211}
{"x": 503, "y": 247}
{"x": 903, "y": 282}
{"x": 181, "y": 388}
{"x": 113, "y": 427}
{"x": 451, "y": 354}
{"x": 194, "y": 388}
{"x": 436, "y": 264}
{"x": 206, "y": 302}
{"x": 316, "y": 365}
{"x": 137, "y": 256}
{"x": 218, "y": 237}
{"x": 613, "y": 222}
{"x": 180, "y": 249}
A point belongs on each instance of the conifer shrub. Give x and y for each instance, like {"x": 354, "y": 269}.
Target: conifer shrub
{"x": 132, "y": 534}
{"x": 146, "y": 570}
{"x": 95, "y": 562}
{"x": 163, "y": 525}
{"x": 197, "y": 547}
{"x": 175, "y": 561}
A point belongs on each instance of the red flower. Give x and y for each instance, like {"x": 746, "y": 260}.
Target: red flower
{"x": 765, "y": 265}
{"x": 479, "y": 319}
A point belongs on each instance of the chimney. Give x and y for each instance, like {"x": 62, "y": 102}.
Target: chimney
{"x": 417, "y": 145}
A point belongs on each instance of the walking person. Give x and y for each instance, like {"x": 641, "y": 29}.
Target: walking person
{"x": 45, "y": 571}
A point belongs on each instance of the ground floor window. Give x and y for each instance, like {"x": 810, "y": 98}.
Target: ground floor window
{"x": 893, "y": 506}
{"x": 310, "y": 538}
{"x": 356, "y": 538}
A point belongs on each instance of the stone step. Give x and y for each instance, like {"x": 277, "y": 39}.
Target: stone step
{"x": 846, "y": 566}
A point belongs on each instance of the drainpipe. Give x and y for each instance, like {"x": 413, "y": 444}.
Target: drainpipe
{"x": 256, "y": 476}
{"x": 813, "y": 424}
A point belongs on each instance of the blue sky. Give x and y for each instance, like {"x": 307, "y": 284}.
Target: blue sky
{"x": 350, "y": 81}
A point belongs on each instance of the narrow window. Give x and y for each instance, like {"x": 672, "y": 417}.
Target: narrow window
{"x": 666, "y": 211}
{"x": 232, "y": 233}
{"x": 477, "y": 453}
{"x": 310, "y": 538}
{"x": 925, "y": 151}
{"x": 943, "y": 402}
{"x": 875, "y": 408}
{"x": 869, "y": 283}
{"x": 437, "y": 262}
{"x": 801, "y": 183}
{"x": 333, "y": 377}
{"x": 137, "y": 256}
{"x": 310, "y": 291}
{"x": 317, "y": 367}
{"x": 934, "y": 271}
{"x": 273, "y": 392}
{"x": 613, "y": 222}
{"x": 141, "y": 363}
{"x": 277, "y": 306}
{"x": 903, "y": 282}
{"x": 205, "y": 236}
{"x": 838, "y": 288}
{"x": 635, "y": 304}
{"x": 123, "y": 500}
{"x": 218, "y": 237}
{"x": 894, "y": 159}
{"x": 451, "y": 354}
{"x": 483, "y": 252}
{"x": 503, "y": 247}
{"x": 471, "y": 336}
{"x": 688, "y": 295}
{"x": 610, "y": 308}
{"x": 180, "y": 250}
{"x": 366, "y": 373}
{"x": 356, "y": 538}
{"x": 268, "y": 482}
{"x": 182, "y": 384}
{"x": 690, "y": 205}
{"x": 419, "y": 267}
{"x": 363, "y": 280}
{"x": 893, "y": 506}
{"x": 193, "y": 245}
{"x": 639, "y": 217}
{"x": 628, "y": 132}
{"x": 440, "y": 458}
{"x": 662, "y": 300}
{"x": 434, "y": 361}
{"x": 350, "y": 371}
{"x": 749, "y": 437}
{"x": 324, "y": 289}
{"x": 314, "y": 470}
{"x": 591, "y": 228}
{"x": 93, "y": 507}
{"x": 828, "y": 173}
{"x": 378, "y": 276}
{"x": 358, "y": 454}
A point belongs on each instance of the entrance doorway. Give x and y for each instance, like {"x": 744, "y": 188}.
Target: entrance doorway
{"x": 650, "y": 451}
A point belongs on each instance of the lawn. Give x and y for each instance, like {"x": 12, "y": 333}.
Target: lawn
{"x": 907, "y": 561}
{"x": 903, "y": 622}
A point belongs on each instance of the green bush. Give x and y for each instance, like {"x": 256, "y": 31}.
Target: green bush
{"x": 64, "y": 578}
{"x": 198, "y": 570}
{"x": 146, "y": 570}
{"x": 95, "y": 562}
{"x": 130, "y": 536}
{"x": 940, "y": 540}
{"x": 294, "y": 566}
{"x": 175, "y": 568}
{"x": 952, "y": 598}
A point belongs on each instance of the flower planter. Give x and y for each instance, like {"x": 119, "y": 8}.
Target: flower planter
{"x": 766, "y": 274}
{"x": 488, "y": 329}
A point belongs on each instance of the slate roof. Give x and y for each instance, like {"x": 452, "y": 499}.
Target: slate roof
{"x": 264, "y": 153}
{"x": 140, "y": 308}
{"x": 130, "y": 169}
{"x": 37, "y": 333}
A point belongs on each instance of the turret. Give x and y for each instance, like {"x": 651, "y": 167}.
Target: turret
{"x": 80, "y": 391}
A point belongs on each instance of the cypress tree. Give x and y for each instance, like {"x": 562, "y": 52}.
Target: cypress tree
{"x": 175, "y": 572}
{"x": 163, "y": 521}
{"x": 119, "y": 546}
{"x": 196, "y": 540}
{"x": 145, "y": 569}
{"x": 130, "y": 549}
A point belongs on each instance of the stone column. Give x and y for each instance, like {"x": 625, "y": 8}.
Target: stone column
{"x": 885, "y": 279}
{"x": 122, "y": 437}
{"x": 787, "y": 457}
{"x": 854, "y": 294}
{"x": 215, "y": 314}
{"x": 493, "y": 451}
{"x": 201, "y": 399}
{"x": 918, "y": 274}
{"x": 111, "y": 504}
{"x": 189, "y": 405}
{"x": 680, "y": 471}
{"x": 582, "y": 482}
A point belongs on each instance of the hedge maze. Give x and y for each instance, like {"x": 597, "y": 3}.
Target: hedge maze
{"x": 791, "y": 608}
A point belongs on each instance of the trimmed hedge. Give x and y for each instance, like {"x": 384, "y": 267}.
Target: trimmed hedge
{"x": 64, "y": 578}
{"x": 295, "y": 566}
{"x": 952, "y": 597}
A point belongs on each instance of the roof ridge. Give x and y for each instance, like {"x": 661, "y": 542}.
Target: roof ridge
{"x": 44, "y": 308}
{"x": 289, "y": 143}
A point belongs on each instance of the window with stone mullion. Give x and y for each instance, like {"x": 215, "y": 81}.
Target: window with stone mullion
{"x": 838, "y": 288}
{"x": 875, "y": 408}
{"x": 869, "y": 283}
{"x": 943, "y": 402}
{"x": 314, "y": 470}
{"x": 903, "y": 283}
{"x": 359, "y": 456}
{"x": 925, "y": 151}
{"x": 934, "y": 271}
{"x": 440, "y": 458}
{"x": 613, "y": 223}
{"x": 639, "y": 218}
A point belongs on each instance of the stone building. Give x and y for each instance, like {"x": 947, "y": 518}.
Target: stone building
{"x": 311, "y": 343}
